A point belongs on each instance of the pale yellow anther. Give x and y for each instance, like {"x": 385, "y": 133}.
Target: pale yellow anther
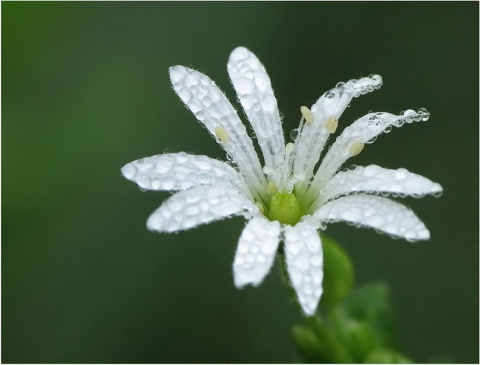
{"x": 260, "y": 206}
{"x": 331, "y": 124}
{"x": 356, "y": 147}
{"x": 289, "y": 148}
{"x": 221, "y": 134}
{"x": 271, "y": 187}
{"x": 307, "y": 114}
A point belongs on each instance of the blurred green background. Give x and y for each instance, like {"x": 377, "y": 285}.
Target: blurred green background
{"x": 85, "y": 90}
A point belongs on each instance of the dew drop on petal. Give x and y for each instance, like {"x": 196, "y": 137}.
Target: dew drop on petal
{"x": 144, "y": 164}
{"x": 164, "y": 166}
{"x": 129, "y": 170}
{"x": 316, "y": 260}
{"x": 373, "y": 139}
{"x": 438, "y": 194}
{"x": 168, "y": 183}
{"x": 250, "y": 257}
{"x": 424, "y": 113}
{"x": 182, "y": 157}
{"x": 329, "y": 95}
{"x": 156, "y": 184}
{"x": 176, "y": 205}
{"x": 294, "y": 134}
{"x": 401, "y": 174}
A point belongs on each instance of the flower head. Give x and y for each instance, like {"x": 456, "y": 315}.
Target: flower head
{"x": 281, "y": 194}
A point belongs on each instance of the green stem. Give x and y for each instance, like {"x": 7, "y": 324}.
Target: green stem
{"x": 337, "y": 353}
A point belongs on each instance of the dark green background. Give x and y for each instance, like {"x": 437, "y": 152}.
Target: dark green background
{"x": 85, "y": 90}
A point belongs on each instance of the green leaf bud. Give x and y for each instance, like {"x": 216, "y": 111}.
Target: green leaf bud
{"x": 338, "y": 273}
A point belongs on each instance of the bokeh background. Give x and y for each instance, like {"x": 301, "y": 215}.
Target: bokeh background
{"x": 85, "y": 89}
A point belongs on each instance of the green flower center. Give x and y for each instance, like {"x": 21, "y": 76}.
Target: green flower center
{"x": 285, "y": 208}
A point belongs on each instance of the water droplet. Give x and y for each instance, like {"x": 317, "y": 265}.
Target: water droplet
{"x": 129, "y": 171}
{"x": 373, "y": 120}
{"x": 408, "y": 116}
{"x": 340, "y": 84}
{"x": 401, "y": 174}
{"x": 400, "y": 123}
{"x": 144, "y": 164}
{"x": 330, "y": 95}
{"x": 424, "y": 113}
{"x": 371, "y": 140}
{"x": 167, "y": 183}
{"x": 267, "y": 170}
{"x": 294, "y": 134}
{"x": 438, "y": 194}
{"x": 377, "y": 80}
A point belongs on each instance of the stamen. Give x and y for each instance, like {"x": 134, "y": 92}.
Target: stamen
{"x": 356, "y": 147}
{"x": 260, "y": 206}
{"x": 267, "y": 170}
{"x": 288, "y": 148}
{"x": 221, "y": 134}
{"x": 307, "y": 114}
{"x": 271, "y": 187}
{"x": 285, "y": 181}
{"x": 331, "y": 124}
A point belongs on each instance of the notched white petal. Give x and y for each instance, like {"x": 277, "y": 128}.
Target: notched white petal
{"x": 327, "y": 111}
{"x": 304, "y": 259}
{"x": 254, "y": 90}
{"x": 255, "y": 251}
{"x": 376, "y": 212}
{"x": 181, "y": 171}
{"x": 374, "y": 179}
{"x": 204, "y": 204}
{"x": 351, "y": 141}
{"x": 211, "y": 107}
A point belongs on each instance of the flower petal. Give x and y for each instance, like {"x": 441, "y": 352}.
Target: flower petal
{"x": 256, "y": 251}
{"x": 304, "y": 258}
{"x": 199, "y": 205}
{"x": 375, "y": 179}
{"x": 254, "y": 90}
{"x": 364, "y": 130}
{"x": 313, "y": 135}
{"x": 181, "y": 171}
{"x": 376, "y": 212}
{"x": 212, "y": 108}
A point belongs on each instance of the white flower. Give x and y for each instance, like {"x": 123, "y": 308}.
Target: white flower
{"x": 281, "y": 195}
